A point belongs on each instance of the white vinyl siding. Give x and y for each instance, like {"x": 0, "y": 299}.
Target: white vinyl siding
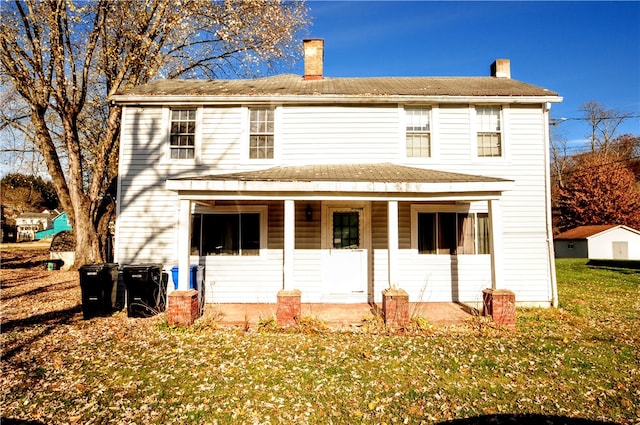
{"x": 326, "y": 134}
{"x": 453, "y": 140}
{"x": 337, "y": 134}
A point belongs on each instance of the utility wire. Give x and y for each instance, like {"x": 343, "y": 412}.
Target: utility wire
{"x": 555, "y": 121}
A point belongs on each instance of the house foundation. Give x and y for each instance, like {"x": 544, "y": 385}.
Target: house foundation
{"x": 500, "y": 304}
{"x": 183, "y": 308}
{"x": 395, "y": 307}
{"x": 289, "y": 307}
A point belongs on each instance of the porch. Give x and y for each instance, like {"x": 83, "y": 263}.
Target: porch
{"x": 335, "y": 315}
{"x": 341, "y": 234}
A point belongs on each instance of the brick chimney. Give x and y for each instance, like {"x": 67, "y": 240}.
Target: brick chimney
{"x": 313, "y": 58}
{"x": 501, "y": 68}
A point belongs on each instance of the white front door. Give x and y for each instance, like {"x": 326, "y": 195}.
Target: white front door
{"x": 345, "y": 277}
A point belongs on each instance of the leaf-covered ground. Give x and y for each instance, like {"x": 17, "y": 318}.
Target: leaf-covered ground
{"x": 577, "y": 364}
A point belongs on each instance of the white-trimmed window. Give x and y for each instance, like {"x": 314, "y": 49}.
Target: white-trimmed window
{"x": 182, "y": 137}
{"x": 229, "y": 231}
{"x": 418, "y": 132}
{"x": 489, "y": 127}
{"x": 261, "y": 133}
{"x": 450, "y": 233}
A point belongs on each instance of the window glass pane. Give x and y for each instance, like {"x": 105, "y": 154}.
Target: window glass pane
{"x": 417, "y": 133}
{"x": 261, "y": 147}
{"x": 417, "y": 120}
{"x": 426, "y": 233}
{"x": 488, "y": 119}
{"x": 489, "y": 144}
{"x": 250, "y": 234}
{"x": 196, "y": 223}
{"x": 220, "y": 234}
{"x": 489, "y": 127}
{"x": 447, "y": 233}
{"x": 466, "y": 230}
{"x": 483, "y": 233}
{"x": 261, "y": 129}
{"x": 346, "y": 229}
{"x": 418, "y": 145}
{"x": 182, "y": 153}
{"x": 182, "y": 137}
{"x": 226, "y": 234}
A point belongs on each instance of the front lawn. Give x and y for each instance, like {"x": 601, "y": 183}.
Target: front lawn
{"x": 580, "y": 361}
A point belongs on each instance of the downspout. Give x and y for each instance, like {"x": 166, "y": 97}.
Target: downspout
{"x": 117, "y": 237}
{"x": 547, "y": 199}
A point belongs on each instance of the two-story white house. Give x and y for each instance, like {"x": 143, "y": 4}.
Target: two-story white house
{"x": 30, "y": 223}
{"x": 340, "y": 187}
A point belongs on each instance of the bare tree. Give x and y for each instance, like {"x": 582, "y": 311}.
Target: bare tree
{"x": 604, "y": 124}
{"x": 65, "y": 58}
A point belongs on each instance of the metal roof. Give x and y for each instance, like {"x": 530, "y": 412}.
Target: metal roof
{"x": 383, "y": 173}
{"x": 295, "y": 85}
{"x": 584, "y": 232}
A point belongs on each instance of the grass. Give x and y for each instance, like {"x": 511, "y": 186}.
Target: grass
{"x": 581, "y": 360}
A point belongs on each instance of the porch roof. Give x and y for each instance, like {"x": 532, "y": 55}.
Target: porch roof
{"x": 384, "y": 178}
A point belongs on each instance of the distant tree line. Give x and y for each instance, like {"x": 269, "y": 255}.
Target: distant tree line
{"x": 24, "y": 193}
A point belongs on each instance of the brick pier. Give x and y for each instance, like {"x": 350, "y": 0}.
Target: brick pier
{"x": 183, "y": 308}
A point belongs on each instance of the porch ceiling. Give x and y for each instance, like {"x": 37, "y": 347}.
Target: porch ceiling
{"x": 384, "y": 178}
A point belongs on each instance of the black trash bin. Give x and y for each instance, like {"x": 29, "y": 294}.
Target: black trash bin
{"x": 98, "y": 284}
{"x": 146, "y": 289}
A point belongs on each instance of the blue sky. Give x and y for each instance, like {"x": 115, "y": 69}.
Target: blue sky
{"x": 584, "y": 50}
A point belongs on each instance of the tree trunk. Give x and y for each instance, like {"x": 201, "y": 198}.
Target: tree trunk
{"x": 87, "y": 241}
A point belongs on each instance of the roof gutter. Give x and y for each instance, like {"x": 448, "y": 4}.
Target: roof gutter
{"x": 238, "y": 186}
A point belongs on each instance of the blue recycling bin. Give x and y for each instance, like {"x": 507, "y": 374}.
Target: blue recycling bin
{"x": 196, "y": 281}
{"x": 195, "y": 276}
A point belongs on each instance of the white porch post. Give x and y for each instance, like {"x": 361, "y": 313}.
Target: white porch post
{"x": 184, "y": 243}
{"x": 393, "y": 243}
{"x": 289, "y": 243}
{"x": 495, "y": 244}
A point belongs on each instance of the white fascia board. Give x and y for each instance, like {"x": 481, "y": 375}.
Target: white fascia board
{"x": 236, "y": 186}
{"x": 325, "y": 99}
{"x": 620, "y": 226}
{"x": 432, "y": 197}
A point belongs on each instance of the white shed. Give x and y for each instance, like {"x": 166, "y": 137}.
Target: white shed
{"x": 608, "y": 241}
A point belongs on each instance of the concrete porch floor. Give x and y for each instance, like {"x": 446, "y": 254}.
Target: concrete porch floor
{"x": 336, "y": 314}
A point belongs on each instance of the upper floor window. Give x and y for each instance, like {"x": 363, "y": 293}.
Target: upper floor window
{"x": 183, "y": 133}
{"x": 489, "y": 131}
{"x": 261, "y": 133}
{"x": 418, "y": 136}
